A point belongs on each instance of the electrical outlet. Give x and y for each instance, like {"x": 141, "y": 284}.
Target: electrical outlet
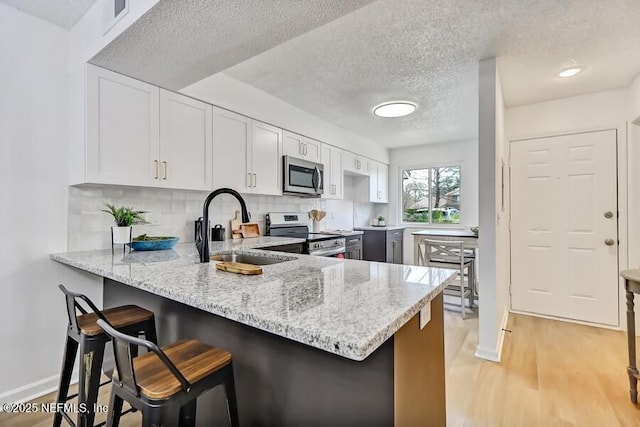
{"x": 153, "y": 218}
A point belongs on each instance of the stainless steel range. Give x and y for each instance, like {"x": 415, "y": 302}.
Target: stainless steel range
{"x": 296, "y": 224}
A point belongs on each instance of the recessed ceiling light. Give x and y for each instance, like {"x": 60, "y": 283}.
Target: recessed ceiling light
{"x": 394, "y": 109}
{"x": 570, "y": 72}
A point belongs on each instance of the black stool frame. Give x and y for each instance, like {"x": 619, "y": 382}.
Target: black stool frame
{"x": 180, "y": 407}
{"x": 91, "y": 358}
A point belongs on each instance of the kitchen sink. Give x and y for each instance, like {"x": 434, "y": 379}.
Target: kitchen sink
{"x": 249, "y": 259}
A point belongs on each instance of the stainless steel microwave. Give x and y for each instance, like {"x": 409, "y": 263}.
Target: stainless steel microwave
{"x": 302, "y": 177}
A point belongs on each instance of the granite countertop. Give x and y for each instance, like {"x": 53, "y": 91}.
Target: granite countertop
{"x": 345, "y": 233}
{"x": 386, "y": 227}
{"x": 345, "y": 307}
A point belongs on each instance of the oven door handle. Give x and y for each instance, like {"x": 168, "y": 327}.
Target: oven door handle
{"x": 316, "y": 179}
{"x": 329, "y": 252}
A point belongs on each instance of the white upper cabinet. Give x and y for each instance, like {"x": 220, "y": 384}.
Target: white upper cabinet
{"x": 353, "y": 163}
{"x": 231, "y": 140}
{"x": 247, "y": 154}
{"x": 378, "y": 181}
{"x": 138, "y": 134}
{"x": 122, "y": 126}
{"x": 331, "y": 158}
{"x": 300, "y": 146}
{"x": 265, "y": 159}
{"x": 185, "y": 142}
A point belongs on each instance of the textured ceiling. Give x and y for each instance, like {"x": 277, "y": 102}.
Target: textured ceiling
{"x": 63, "y": 13}
{"x": 427, "y": 51}
{"x": 179, "y": 42}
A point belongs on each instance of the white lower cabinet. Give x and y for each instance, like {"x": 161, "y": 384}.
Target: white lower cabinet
{"x": 331, "y": 158}
{"x": 246, "y": 154}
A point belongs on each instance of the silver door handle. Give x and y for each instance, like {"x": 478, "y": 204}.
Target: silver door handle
{"x": 304, "y": 146}
{"x": 255, "y": 180}
{"x": 157, "y": 164}
{"x": 249, "y": 180}
{"x": 166, "y": 169}
{"x": 301, "y": 148}
{"x": 608, "y": 214}
{"x": 609, "y": 242}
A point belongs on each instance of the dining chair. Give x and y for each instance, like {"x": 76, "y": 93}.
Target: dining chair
{"x": 451, "y": 254}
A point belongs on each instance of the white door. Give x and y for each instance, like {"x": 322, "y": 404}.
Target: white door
{"x": 185, "y": 142}
{"x": 231, "y": 137}
{"x": 266, "y": 159}
{"x": 564, "y": 243}
{"x": 122, "y": 129}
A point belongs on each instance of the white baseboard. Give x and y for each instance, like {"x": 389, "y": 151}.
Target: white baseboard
{"x": 34, "y": 390}
{"x": 495, "y": 354}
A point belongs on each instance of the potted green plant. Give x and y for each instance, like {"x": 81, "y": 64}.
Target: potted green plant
{"x": 124, "y": 218}
{"x": 380, "y": 220}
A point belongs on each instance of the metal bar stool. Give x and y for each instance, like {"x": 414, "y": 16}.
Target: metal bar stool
{"x": 631, "y": 286}
{"x": 84, "y": 332}
{"x": 164, "y": 384}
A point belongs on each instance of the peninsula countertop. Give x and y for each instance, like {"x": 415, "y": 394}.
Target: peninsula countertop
{"x": 345, "y": 307}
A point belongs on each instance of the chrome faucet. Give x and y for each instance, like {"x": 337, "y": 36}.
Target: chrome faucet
{"x": 202, "y": 241}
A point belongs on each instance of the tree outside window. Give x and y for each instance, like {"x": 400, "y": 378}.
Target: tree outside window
{"x": 431, "y": 195}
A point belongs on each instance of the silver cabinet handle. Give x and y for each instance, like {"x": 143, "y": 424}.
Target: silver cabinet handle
{"x": 305, "y": 149}
{"x": 300, "y": 148}
{"x": 157, "y": 163}
{"x": 608, "y": 214}
{"x": 255, "y": 180}
{"x": 249, "y": 180}
{"x": 166, "y": 170}
{"x": 609, "y": 242}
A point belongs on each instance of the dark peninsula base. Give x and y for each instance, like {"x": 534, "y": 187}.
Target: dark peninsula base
{"x": 282, "y": 383}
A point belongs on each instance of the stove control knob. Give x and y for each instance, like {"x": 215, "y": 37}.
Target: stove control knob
{"x": 316, "y": 245}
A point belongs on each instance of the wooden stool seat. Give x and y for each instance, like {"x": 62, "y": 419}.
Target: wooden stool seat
{"x": 194, "y": 359}
{"x": 119, "y": 317}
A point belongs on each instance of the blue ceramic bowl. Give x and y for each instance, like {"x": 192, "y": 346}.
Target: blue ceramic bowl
{"x": 154, "y": 245}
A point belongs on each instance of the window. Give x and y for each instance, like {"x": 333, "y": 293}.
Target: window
{"x": 431, "y": 195}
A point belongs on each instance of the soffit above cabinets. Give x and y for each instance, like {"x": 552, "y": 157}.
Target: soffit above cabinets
{"x": 180, "y": 42}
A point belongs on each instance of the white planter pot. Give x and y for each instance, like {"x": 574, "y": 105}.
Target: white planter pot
{"x": 120, "y": 235}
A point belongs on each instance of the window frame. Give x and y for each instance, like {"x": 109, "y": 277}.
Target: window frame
{"x": 400, "y": 213}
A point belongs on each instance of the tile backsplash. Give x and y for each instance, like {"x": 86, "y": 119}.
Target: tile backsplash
{"x": 176, "y": 210}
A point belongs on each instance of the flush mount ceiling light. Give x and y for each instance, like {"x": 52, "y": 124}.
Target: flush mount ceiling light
{"x": 570, "y": 72}
{"x": 394, "y": 109}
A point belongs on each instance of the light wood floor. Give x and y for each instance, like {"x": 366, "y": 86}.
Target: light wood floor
{"x": 552, "y": 374}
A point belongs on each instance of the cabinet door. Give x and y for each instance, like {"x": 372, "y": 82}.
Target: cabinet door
{"x": 383, "y": 183}
{"x": 331, "y": 158}
{"x": 231, "y": 138}
{"x": 185, "y": 142}
{"x": 372, "y": 169}
{"x": 337, "y": 173}
{"x": 292, "y": 144}
{"x": 311, "y": 149}
{"x": 349, "y": 161}
{"x": 122, "y": 129}
{"x": 266, "y": 159}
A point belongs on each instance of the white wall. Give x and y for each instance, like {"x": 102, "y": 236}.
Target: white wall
{"x": 633, "y": 164}
{"x": 464, "y": 153}
{"x": 229, "y": 93}
{"x": 492, "y": 288}
{"x": 33, "y": 173}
